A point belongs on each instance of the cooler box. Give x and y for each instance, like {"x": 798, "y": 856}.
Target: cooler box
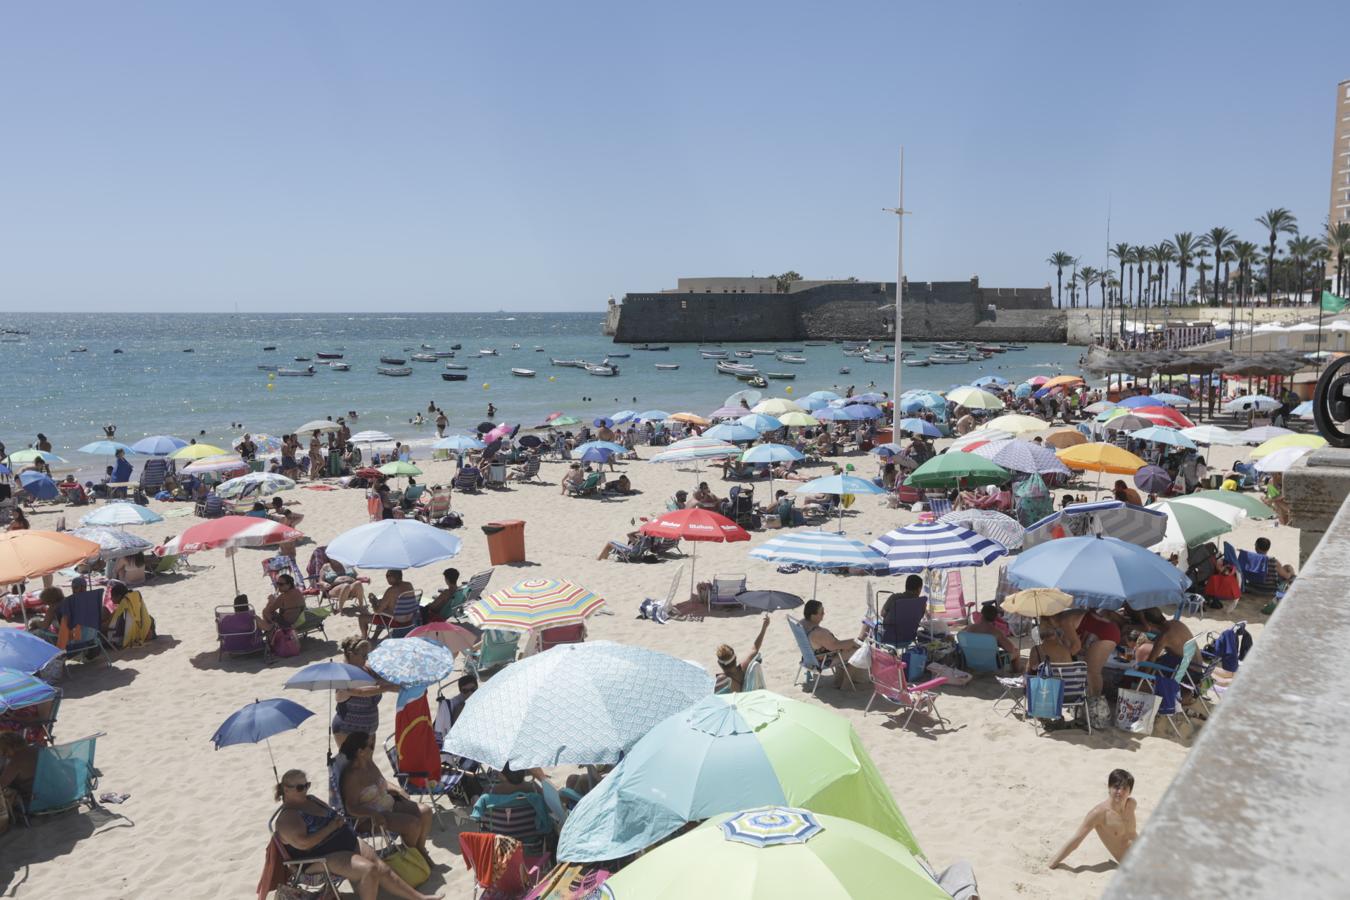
{"x": 884, "y": 436}
{"x": 506, "y": 541}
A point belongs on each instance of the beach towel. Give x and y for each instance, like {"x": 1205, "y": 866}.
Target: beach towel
{"x": 131, "y": 624}
{"x": 418, "y": 753}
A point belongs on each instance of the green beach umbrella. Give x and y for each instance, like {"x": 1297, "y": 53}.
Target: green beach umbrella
{"x": 564, "y": 422}
{"x": 775, "y": 852}
{"x": 27, "y": 456}
{"x": 399, "y": 468}
{"x": 1254, "y": 508}
{"x": 1191, "y": 524}
{"x": 725, "y": 753}
{"x": 953, "y": 467}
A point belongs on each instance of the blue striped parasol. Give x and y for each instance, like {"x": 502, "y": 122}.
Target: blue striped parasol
{"x": 917, "y": 548}
{"x": 19, "y": 690}
{"x": 771, "y": 826}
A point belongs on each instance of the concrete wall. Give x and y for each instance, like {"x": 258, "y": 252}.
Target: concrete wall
{"x": 726, "y": 286}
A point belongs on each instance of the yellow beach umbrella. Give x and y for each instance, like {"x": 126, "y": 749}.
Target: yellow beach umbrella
{"x": 1101, "y": 458}
{"x": 777, "y": 406}
{"x": 1059, "y": 380}
{"x": 1289, "y": 440}
{"x": 1015, "y": 424}
{"x": 798, "y": 420}
{"x": 1037, "y": 602}
{"x": 974, "y": 398}
{"x": 197, "y": 451}
{"x": 690, "y": 418}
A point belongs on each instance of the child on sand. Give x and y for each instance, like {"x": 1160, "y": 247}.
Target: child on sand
{"x": 1112, "y": 819}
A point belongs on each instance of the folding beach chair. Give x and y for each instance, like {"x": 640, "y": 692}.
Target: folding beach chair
{"x": 812, "y": 664}
{"x": 437, "y": 506}
{"x": 83, "y": 625}
{"x": 980, "y": 652}
{"x": 65, "y": 777}
{"x": 498, "y": 865}
{"x": 466, "y": 480}
{"x": 725, "y": 589}
{"x": 663, "y": 609}
{"x": 563, "y": 634}
{"x": 498, "y": 649}
{"x": 405, "y": 617}
{"x": 309, "y": 876}
{"x": 956, "y": 610}
{"x": 590, "y": 486}
{"x": 638, "y": 551}
{"x": 890, "y": 684}
{"x": 529, "y": 471}
{"x": 238, "y": 634}
{"x": 524, "y": 817}
{"x": 473, "y": 589}
{"x": 434, "y": 786}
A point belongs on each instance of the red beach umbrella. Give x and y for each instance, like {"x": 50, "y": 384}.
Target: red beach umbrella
{"x": 1162, "y": 415}
{"x": 232, "y": 531}
{"x": 694, "y": 525}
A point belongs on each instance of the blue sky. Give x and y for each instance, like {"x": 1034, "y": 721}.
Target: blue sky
{"x": 437, "y": 156}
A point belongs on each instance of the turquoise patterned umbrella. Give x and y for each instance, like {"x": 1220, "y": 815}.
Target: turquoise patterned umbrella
{"x": 410, "y": 662}
{"x": 771, "y": 826}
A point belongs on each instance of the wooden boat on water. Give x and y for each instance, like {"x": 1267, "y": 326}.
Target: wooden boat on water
{"x": 651, "y": 348}
{"x": 917, "y": 361}
{"x": 877, "y": 358}
{"x": 745, "y": 354}
{"x": 392, "y": 360}
{"x": 789, "y": 358}
{"x": 395, "y": 371}
{"x": 605, "y": 370}
{"x": 272, "y": 347}
{"x": 781, "y": 376}
{"x": 424, "y": 357}
{"x": 294, "y": 373}
{"x": 815, "y": 343}
{"x": 328, "y": 355}
{"x": 459, "y": 367}
{"x": 454, "y": 376}
{"x": 339, "y": 366}
{"x": 713, "y": 354}
{"x": 487, "y": 351}
{"x": 444, "y": 354}
{"x": 731, "y": 368}
{"x": 667, "y": 367}
{"x": 303, "y": 358}
{"x": 569, "y": 363}
{"x": 523, "y": 373}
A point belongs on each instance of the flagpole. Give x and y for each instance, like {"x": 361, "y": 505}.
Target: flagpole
{"x": 899, "y": 290}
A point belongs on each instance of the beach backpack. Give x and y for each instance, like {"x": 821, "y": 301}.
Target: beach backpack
{"x": 285, "y": 643}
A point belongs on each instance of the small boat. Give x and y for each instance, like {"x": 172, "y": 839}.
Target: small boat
{"x": 756, "y": 381}
{"x": 652, "y": 348}
{"x": 487, "y": 351}
{"x": 395, "y": 371}
{"x": 523, "y": 373}
{"x": 303, "y": 358}
{"x": 745, "y": 354}
{"x": 329, "y": 355}
{"x": 788, "y": 350}
{"x": 947, "y": 359}
{"x": 424, "y": 357}
{"x": 393, "y": 360}
{"x": 854, "y": 351}
{"x": 917, "y": 362}
{"x": 844, "y": 370}
{"x": 602, "y": 369}
{"x": 339, "y": 367}
{"x": 989, "y": 348}
{"x": 538, "y": 349}
{"x": 187, "y": 349}
{"x": 306, "y": 372}
{"x": 877, "y": 358}
{"x": 1014, "y": 346}
{"x": 515, "y": 346}
{"x": 118, "y": 350}
{"x": 569, "y": 363}
{"x": 444, "y": 354}
{"x": 617, "y": 355}
{"x": 815, "y": 343}
{"x": 789, "y": 358}
{"x": 272, "y": 347}
{"x": 268, "y": 368}
{"x": 454, "y": 376}
{"x": 730, "y": 368}
{"x": 428, "y": 347}
{"x": 80, "y": 350}
{"x": 456, "y": 347}
{"x": 667, "y": 367}
{"x": 762, "y": 352}
{"x": 713, "y": 354}
{"x": 458, "y": 367}
{"x": 781, "y": 376}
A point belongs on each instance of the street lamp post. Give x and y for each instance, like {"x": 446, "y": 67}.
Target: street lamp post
{"x": 900, "y": 213}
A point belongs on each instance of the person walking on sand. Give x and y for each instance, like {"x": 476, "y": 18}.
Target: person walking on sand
{"x": 1112, "y": 819}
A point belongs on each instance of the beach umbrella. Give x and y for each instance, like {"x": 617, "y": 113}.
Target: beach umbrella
{"x": 485, "y": 427}
{"x": 1099, "y": 407}
{"x": 24, "y": 457}
{"x": 1100, "y": 573}
{"x": 320, "y": 425}
{"x": 1037, "y": 602}
{"x": 1172, "y": 399}
{"x": 1281, "y": 460}
{"x": 1139, "y": 400}
{"x": 260, "y": 484}
{"x": 1126, "y": 422}
{"x": 990, "y": 523}
{"x": 760, "y": 422}
{"x": 776, "y": 406}
{"x": 955, "y": 467}
{"x": 561, "y": 422}
{"x": 974, "y": 398}
{"x": 1262, "y": 433}
{"x": 1113, "y": 518}
{"x": 458, "y": 443}
{"x": 913, "y": 401}
{"x": 455, "y": 638}
{"x": 968, "y": 442}
{"x": 995, "y": 380}
{"x": 1023, "y": 390}
{"x": 32, "y": 553}
{"x": 768, "y": 601}
{"x": 20, "y": 690}
{"x": 862, "y": 411}
{"x": 888, "y": 450}
{"x": 535, "y": 604}
{"x": 1062, "y": 381}
{"x": 772, "y": 453}
{"x": 607, "y": 446}
{"x": 1212, "y": 434}
{"x": 1162, "y": 415}
{"x": 827, "y": 396}
{"x": 728, "y": 412}
{"x": 411, "y": 661}
{"x": 1249, "y": 504}
{"x": 1062, "y": 440}
{"x": 371, "y": 437}
{"x": 868, "y": 397}
{"x": 694, "y": 525}
{"x": 1189, "y": 525}
{"x": 732, "y": 432}
{"x": 114, "y": 543}
{"x": 690, "y": 419}
{"x": 651, "y": 415}
{"x": 266, "y": 443}
{"x": 198, "y": 451}
{"x": 718, "y": 450}
{"x": 399, "y": 469}
{"x": 1311, "y": 441}
{"x": 776, "y": 852}
{"x": 1153, "y": 480}
{"x": 105, "y": 448}
{"x": 730, "y": 752}
{"x": 920, "y": 426}
{"x": 260, "y": 721}
{"x": 230, "y": 532}
{"x": 38, "y": 486}
{"x": 817, "y": 550}
{"x": 602, "y": 422}
{"x": 919, "y": 547}
{"x": 831, "y": 414}
{"x": 1252, "y": 403}
{"x": 596, "y": 455}
{"x": 1161, "y": 434}
{"x": 329, "y": 676}
{"x": 798, "y": 420}
{"x": 1018, "y": 455}
{"x": 623, "y": 416}
{"x": 158, "y": 445}
{"x": 1097, "y": 457}
{"x": 749, "y": 395}
{"x": 1015, "y": 424}
{"x": 1304, "y": 410}
{"x": 840, "y": 486}
{"x": 393, "y": 544}
{"x": 574, "y": 704}
{"x": 216, "y": 464}
{"x": 24, "y": 652}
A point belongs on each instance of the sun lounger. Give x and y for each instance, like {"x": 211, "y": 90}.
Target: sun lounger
{"x": 890, "y": 684}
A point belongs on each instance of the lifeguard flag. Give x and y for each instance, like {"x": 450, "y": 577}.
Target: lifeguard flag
{"x": 1332, "y": 303}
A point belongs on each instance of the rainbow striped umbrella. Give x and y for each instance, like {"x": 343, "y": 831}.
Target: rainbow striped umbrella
{"x": 19, "y": 689}
{"x": 536, "y": 603}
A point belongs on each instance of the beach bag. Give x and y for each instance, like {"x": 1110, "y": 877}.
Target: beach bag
{"x": 916, "y": 662}
{"x": 285, "y": 643}
{"x": 1135, "y": 711}
{"x": 1045, "y": 697}
{"x": 862, "y": 657}
{"x": 449, "y": 520}
{"x": 410, "y": 865}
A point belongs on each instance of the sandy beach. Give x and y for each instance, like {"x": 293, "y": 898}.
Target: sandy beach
{"x": 987, "y": 788}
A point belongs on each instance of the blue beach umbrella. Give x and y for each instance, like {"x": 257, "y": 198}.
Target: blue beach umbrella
{"x": 817, "y": 550}
{"x": 608, "y": 446}
{"x": 622, "y": 416}
{"x": 1022, "y": 390}
{"x": 651, "y": 415}
{"x": 920, "y": 426}
{"x": 772, "y": 453}
{"x": 19, "y": 690}
{"x": 732, "y": 432}
{"x": 393, "y": 544}
{"x": 1138, "y": 401}
{"x": 1161, "y": 434}
{"x": 1304, "y": 410}
{"x": 158, "y": 445}
{"x": 760, "y": 422}
{"x": 869, "y": 397}
{"x": 24, "y": 652}
{"x": 411, "y": 661}
{"x": 259, "y": 721}
{"x": 38, "y": 486}
{"x": 114, "y": 543}
{"x": 602, "y": 422}
{"x": 831, "y": 414}
{"x": 811, "y": 404}
{"x": 863, "y": 411}
{"x": 827, "y": 396}
{"x": 990, "y": 379}
{"x": 105, "y": 448}
{"x": 458, "y": 443}
{"x": 1100, "y": 573}
{"x": 840, "y": 484}
{"x": 122, "y": 512}
{"x": 917, "y": 548}
{"x": 596, "y": 455}
{"x": 888, "y": 450}
{"x": 1172, "y": 399}
{"x": 329, "y": 676}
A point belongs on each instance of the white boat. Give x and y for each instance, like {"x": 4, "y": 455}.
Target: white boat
{"x": 569, "y": 363}
{"x": 667, "y": 367}
{"x": 794, "y": 360}
{"x": 947, "y": 359}
{"x": 395, "y": 371}
{"x": 745, "y": 354}
{"x": 487, "y": 351}
{"x": 523, "y": 373}
{"x": 713, "y": 354}
{"x": 339, "y": 366}
{"x": 917, "y": 362}
{"x": 853, "y": 351}
{"x": 731, "y": 368}
{"x": 268, "y": 368}
{"x": 444, "y": 354}
{"x": 515, "y": 346}
{"x": 428, "y": 347}
{"x": 602, "y": 369}
{"x": 876, "y": 358}
{"x": 761, "y": 352}
{"x": 294, "y": 373}
{"x": 424, "y": 357}
{"x": 459, "y": 367}
{"x": 80, "y": 350}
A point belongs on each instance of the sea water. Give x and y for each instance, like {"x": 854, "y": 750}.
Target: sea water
{"x": 154, "y": 387}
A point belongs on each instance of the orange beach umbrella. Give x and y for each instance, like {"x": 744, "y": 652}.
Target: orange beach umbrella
{"x": 30, "y": 554}
{"x": 1099, "y": 457}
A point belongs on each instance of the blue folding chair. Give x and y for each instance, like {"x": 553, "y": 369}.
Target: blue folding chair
{"x": 65, "y": 777}
{"x": 84, "y": 618}
{"x": 812, "y": 664}
{"x": 980, "y": 652}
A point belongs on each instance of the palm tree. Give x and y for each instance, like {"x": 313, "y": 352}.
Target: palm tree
{"x": 1301, "y": 250}
{"x": 1060, "y": 260}
{"x": 1166, "y": 252}
{"x": 1088, "y": 277}
{"x": 1122, "y": 254}
{"x": 1337, "y": 244}
{"x": 1276, "y": 222}
{"x": 1185, "y": 245}
{"x": 1217, "y": 240}
{"x": 1245, "y": 254}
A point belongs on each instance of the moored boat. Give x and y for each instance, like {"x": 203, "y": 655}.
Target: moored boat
{"x": 745, "y": 354}
{"x": 781, "y": 376}
{"x": 339, "y": 366}
{"x": 756, "y": 381}
{"x": 844, "y": 370}
{"x": 293, "y": 373}
{"x": 395, "y": 371}
{"x": 731, "y": 368}
{"x": 651, "y": 347}
{"x": 328, "y": 355}
{"x": 303, "y": 358}
{"x": 569, "y": 363}
{"x": 923, "y": 361}
{"x": 794, "y": 360}
{"x": 815, "y": 343}
{"x": 454, "y": 376}
{"x": 877, "y": 358}
{"x": 424, "y": 357}
{"x": 456, "y": 366}
{"x": 523, "y": 373}
{"x": 393, "y": 360}
{"x": 667, "y": 367}
{"x": 268, "y": 368}
{"x": 603, "y": 369}
{"x": 444, "y": 354}
{"x": 713, "y": 354}
{"x": 487, "y": 351}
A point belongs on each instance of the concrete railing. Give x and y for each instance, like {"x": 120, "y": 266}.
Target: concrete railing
{"x": 1261, "y": 806}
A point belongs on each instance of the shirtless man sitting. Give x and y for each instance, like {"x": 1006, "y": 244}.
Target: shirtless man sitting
{"x": 385, "y": 603}
{"x": 1112, "y": 819}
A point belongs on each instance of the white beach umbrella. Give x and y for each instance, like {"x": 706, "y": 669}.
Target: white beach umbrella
{"x": 318, "y": 425}
{"x": 1282, "y": 460}
{"x": 371, "y": 437}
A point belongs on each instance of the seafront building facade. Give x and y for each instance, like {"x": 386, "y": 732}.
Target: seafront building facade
{"x": 1340, "y": 158}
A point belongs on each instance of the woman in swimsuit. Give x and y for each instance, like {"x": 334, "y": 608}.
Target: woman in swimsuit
{"x": 311, "y": 829}
{"x": 367, "y": 795}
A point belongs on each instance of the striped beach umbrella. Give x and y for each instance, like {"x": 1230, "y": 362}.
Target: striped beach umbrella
{"x": 122, "y": 512}
{"x": 1017, "y": 455}
{"x": 411, "y": 661}
{"x": 990, "y": 523}
{"x": 714, "y": 450}
{"x": 19, "y": 690}
{"x": 1110, "y": 518}
{"x": 371, "y": 437}
{"x": 969, "y": 442}
{"x": 114, "y": 543}
{"x": 536, "y": 604}
{"x": 256, "y": 483}
{"x": 817, "y": 550}
{"x": 771, "y": 826}
{"x": 917, "y": 548}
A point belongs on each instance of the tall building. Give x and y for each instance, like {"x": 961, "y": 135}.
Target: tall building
{"x": 1340, "y": 158}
